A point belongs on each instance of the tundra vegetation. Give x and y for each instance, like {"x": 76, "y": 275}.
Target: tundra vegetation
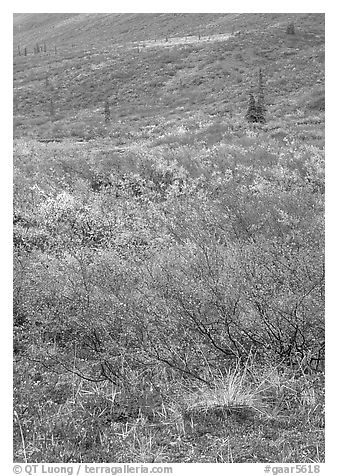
{"x": 169, "y": 248}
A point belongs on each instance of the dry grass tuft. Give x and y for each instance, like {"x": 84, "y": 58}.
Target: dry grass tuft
{"x": 232, "y": 391}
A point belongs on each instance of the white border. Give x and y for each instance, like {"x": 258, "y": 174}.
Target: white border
{"x": 331, "y": 182}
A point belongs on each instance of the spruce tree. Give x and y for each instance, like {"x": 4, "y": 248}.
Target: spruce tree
{"x": 290, "y": 30}
{"x": 251, "y": 112}
{"x": 51, "y": 109}
{"x": 260, "y": 105}
{"x": 107, "y": 111}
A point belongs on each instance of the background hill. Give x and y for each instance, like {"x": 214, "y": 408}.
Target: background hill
{"x": 95, "y": 28}
{"x": 126, "y": 59}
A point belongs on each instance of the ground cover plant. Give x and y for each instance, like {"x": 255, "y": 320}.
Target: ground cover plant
{"x": 168, "y": 250}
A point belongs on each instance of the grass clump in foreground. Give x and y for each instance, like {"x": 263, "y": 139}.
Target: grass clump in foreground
{"x": 229, "y": 393}
{"x": 250, "y": 414}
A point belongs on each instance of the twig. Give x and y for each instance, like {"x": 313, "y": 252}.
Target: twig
{"x": 22, "y": 437}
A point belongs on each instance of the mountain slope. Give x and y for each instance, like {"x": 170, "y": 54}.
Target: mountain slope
{"x": 100, "y": 56}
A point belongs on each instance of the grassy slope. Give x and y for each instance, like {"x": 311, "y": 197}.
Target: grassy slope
{"x": 201, "y": 77}
{"x": 189, "y": 96}
{"x": 98, "y": 29}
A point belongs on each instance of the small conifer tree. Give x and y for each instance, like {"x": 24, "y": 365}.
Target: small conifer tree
{"x": 19, "y": 51}
{"x": 290, "y": 29}
{"x": 107, "y": 111}
{"x": 25, "y": 51}
{"x": 251, "y": 112}
{"x": 45, "y": 48}
{"x": 51, "y": 109}
{"x": 260, "y": 105}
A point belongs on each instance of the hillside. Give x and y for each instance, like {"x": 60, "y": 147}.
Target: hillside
{"x": 147, "y": 75}
{"x": 168, "y": 247}
{"x": 97, "y": 29}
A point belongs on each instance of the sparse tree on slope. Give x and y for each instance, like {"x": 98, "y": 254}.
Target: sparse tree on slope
{"x": 260, "y": 106}
{"x": 290, "y": 30}
{"x": 251, "y": 112}
{"x": 51, "y": 109}
{"x": 256, "y": 109}
{"x": 107, "y": 111}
